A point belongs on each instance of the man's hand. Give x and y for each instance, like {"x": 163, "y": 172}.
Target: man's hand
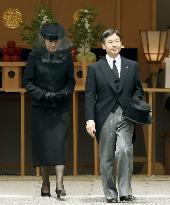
{"x": 90, "y": 127}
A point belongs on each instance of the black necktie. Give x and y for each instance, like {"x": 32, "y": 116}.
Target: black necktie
{"x": 115, "y": 70}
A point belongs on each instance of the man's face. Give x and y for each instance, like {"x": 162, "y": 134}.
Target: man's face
{"x": 51, "y": 46}
{"x": 112, "y": 44}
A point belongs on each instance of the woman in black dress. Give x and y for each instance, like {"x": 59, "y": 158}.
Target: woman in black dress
{"x": 49, "y": 80}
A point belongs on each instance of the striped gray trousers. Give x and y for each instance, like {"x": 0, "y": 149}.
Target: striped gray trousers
{"x": 115, "y": 144}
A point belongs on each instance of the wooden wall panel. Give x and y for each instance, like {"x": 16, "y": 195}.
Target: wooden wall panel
{"x": 64, "y": 10}
{"x": 128, "y": 16}
{"x": 136, "y": 15}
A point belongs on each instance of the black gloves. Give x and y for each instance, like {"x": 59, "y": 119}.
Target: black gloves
{"x": 54, "y": 97}
{"x": 62, "y": 94}
{"x": 48, "y": 97}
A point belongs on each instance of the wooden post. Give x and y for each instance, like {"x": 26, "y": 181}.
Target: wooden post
{"x": 150, "y": 150}
{"x": 84, "y": 69}
{"x": 22, "y": 133}
{"x": 75, "y": 132}
{"x": 96, "y": 157}
{"x": 118, "y": 14}
{"x": 37, "y": 171}
{"x": 153, "y": 15}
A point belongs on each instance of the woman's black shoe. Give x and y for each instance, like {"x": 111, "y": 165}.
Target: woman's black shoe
{"x": 61, "y": 192}
{"x": 45, "y": 194}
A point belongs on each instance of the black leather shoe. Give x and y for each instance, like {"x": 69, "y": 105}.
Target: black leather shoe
{"x": 132, "y": 197}
{"x": 61, "y": 192}
{"x": 111, "y": 200}
{"x": 127, "y": 198}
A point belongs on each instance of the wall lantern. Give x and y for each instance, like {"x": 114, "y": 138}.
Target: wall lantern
{"x": 154, "y": 43}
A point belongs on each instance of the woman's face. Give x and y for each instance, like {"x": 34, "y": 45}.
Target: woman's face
{"x": 51, "y": 46}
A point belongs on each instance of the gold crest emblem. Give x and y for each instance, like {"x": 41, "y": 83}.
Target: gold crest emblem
{"x": 12, "y": 18}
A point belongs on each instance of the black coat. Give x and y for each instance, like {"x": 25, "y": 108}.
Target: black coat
{"x": 49, "y": 119}
{"x": 101, "y": 93}
{"x": 44, "y": 73}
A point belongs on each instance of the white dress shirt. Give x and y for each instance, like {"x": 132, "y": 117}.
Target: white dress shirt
{"x": 118, "y": 62}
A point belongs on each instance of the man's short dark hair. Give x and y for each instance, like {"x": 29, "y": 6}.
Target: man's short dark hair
{"x": 110, "y": 32}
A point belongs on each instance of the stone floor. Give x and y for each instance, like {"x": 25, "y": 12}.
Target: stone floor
{"x": 154, "y": 190}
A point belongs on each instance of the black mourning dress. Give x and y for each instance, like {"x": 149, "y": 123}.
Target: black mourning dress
{"x": 49, "y": 121}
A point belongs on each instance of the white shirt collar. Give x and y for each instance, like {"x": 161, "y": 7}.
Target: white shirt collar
{"x": 110, "y": 59}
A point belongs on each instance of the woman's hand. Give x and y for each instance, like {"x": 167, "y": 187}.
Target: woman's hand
{"x": 90, "y": 127}
{"x": 62, "y": 94}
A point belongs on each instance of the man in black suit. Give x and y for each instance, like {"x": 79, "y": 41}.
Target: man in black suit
{"x": 111, "y": 84}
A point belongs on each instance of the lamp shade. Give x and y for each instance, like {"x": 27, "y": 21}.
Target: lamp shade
{"x": 154, "y": 43}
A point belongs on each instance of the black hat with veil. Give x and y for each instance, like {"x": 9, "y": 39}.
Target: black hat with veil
{"x": 52, "y": 32}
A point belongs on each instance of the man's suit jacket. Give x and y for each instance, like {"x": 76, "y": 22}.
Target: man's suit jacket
{"x": 101, "y": 93}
